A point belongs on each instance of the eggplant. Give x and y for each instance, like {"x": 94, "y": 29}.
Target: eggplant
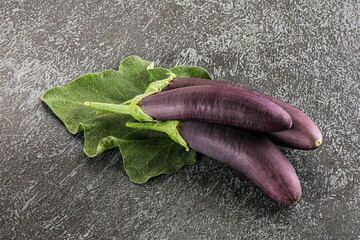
{"x": 214, "y": 104}
{"x": 304, "y": 133}
{"x": 248, "y": 152}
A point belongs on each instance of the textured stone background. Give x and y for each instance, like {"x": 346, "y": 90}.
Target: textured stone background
{"x": 304, "y": 52}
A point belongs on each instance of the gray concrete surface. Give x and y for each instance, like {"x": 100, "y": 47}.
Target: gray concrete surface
{"x": 304, "y": 52}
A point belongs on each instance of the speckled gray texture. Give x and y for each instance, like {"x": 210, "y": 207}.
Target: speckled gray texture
{"x": 304, "y": 52}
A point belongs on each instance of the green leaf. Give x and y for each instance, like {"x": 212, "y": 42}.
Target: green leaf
{"x": 107, "y": 130}
{"x": 145, "y": 153}
{"x": 67, "y": 101}
{"x": 190, "y": 72}
{"x": 159, "y": 73}
{"x": 155, "y": 151}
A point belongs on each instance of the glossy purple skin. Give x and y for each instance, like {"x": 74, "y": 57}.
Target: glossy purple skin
{"x": 304, "y": 133}
{"x": 250, "y": 153}
{"x": 216, "y": 104}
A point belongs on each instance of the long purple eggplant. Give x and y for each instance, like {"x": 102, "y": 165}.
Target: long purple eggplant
{"x": 304, "y": 133}
{"x": 216, "y": 104}
{"x": 250, "y": 153}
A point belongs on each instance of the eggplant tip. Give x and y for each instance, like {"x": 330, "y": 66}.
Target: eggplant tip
{"x": 318, "y": 143}
{"x": 294, "y": 201}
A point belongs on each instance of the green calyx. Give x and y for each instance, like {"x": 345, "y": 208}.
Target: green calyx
{"x": 168, "y": 127}
{"x": 157, "y": 86}
{"x": 131, "y": 106}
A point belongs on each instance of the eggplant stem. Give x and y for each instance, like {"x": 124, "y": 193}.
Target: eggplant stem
{"x": 116, "y": 108}
{"x": 168, "y": 127}
{"x": 132, "y": 109}
{"x": 102, "y": 112}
